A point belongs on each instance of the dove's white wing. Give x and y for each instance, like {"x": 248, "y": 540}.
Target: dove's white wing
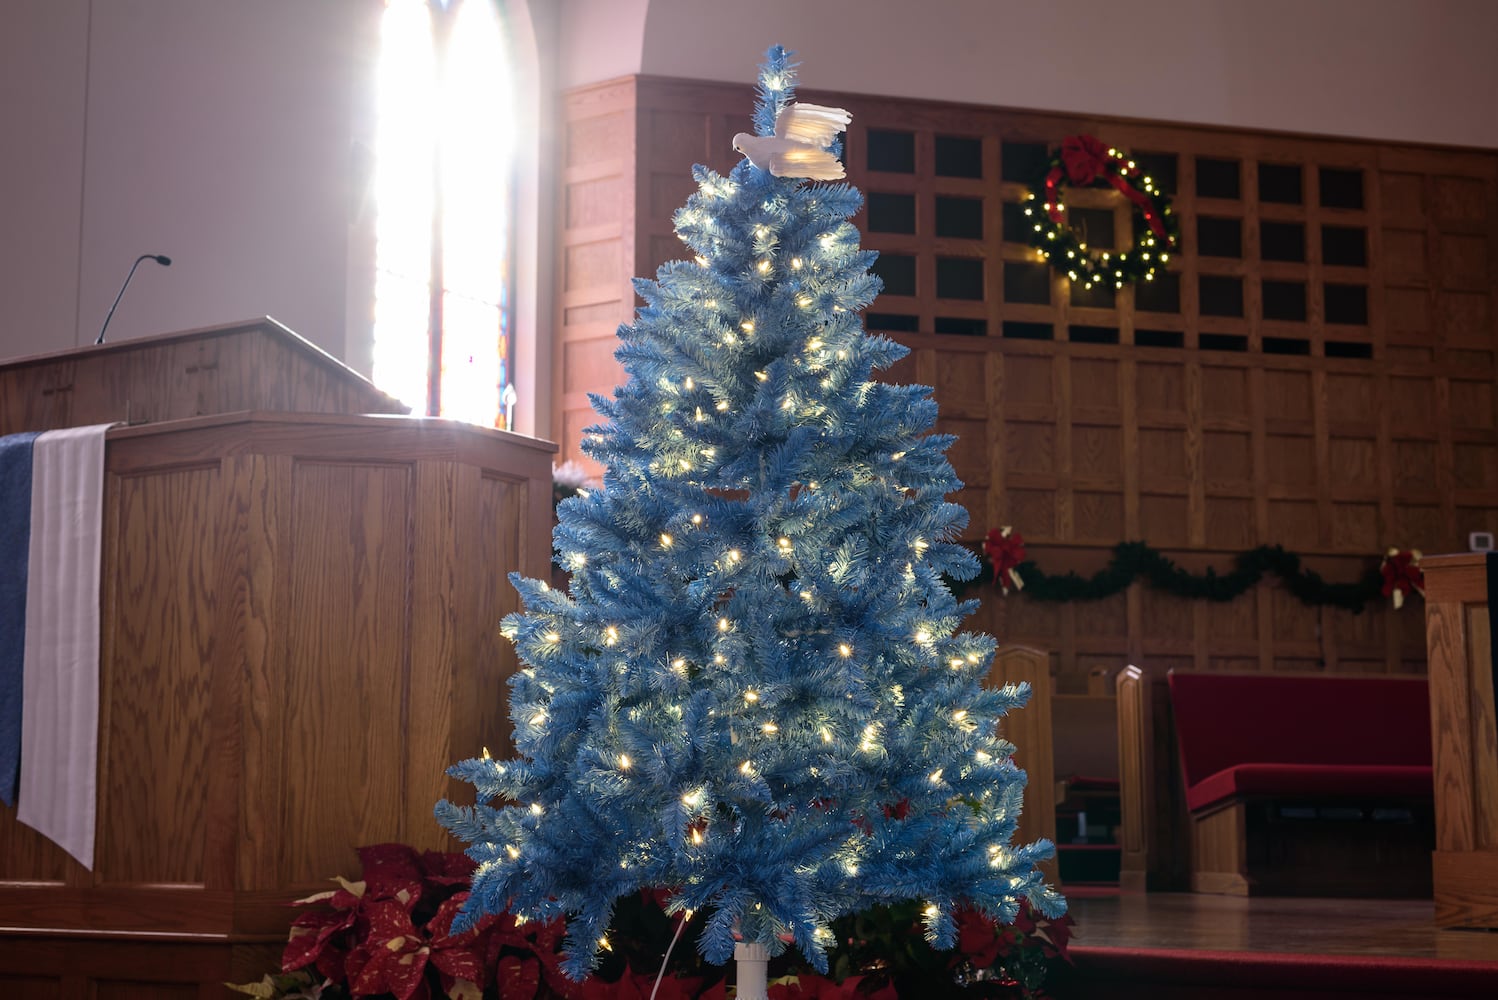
{"x": 806, "y": 161}
{"x": 813, "y": 124}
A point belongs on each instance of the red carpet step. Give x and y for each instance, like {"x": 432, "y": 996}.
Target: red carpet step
{"x": 1176, "y": 974}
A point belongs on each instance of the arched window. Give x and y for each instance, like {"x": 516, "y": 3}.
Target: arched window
{"x": 443, "y": 211}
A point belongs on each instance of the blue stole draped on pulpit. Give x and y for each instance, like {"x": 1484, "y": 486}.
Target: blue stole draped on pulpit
{"x": 51, "y": 535}
{"x": 15, "y": 542}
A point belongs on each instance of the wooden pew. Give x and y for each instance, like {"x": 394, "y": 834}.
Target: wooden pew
{"x": 1029, "y": 729}
{"x": 1270, "y": 838}
{"x": 1465, "y": 728}
{"x": 1152, "y": 813}
{"x": 1084, "y": 730}
{"x": 1306, "y": 784}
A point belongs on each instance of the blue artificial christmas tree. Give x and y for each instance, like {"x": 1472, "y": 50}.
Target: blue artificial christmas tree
{"x": 755, "y": 692}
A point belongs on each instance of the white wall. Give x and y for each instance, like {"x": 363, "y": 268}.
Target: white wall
{"x": 226, "y": 133}
{"x": 43, "y": 72}
{"x": 213, "y": 131}
{"x": 1411, "y": 70}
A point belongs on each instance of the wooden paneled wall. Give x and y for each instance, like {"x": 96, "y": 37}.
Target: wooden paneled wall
{"x": 1316, "y": 369}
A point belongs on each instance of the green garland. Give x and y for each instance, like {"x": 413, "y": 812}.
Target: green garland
{"x": 1136, "y": 560}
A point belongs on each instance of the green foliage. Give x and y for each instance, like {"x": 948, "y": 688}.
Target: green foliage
{"x": 1138, "y": 561}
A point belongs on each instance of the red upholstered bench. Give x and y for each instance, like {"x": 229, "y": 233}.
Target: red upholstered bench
{"x": 1302, "y": 784}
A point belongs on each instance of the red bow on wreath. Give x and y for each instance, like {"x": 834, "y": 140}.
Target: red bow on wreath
{"x": 1401, "y": 572}
{"x": 1005, "y": 549}
{"x": 1085, "y": 159}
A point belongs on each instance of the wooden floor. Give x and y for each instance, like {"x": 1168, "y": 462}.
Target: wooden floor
{"x": 1195, "y": 922}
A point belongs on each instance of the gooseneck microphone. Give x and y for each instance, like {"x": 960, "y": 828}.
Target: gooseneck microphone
{"x": 161, "y": 259}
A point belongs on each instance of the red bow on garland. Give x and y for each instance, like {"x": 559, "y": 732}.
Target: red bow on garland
{"x": 1401, "y": 572}
{"x": 1005, "y": 549}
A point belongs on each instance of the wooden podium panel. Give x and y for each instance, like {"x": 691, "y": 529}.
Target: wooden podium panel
{"x": 253, "y": 365}
{"x": 1464, "y": 734}
{"x": 299, "y": 635}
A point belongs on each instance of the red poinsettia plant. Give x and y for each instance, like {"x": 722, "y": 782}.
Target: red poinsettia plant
{"x": 389, "y": 936}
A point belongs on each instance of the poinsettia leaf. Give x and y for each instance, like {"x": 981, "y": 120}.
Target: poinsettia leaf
{"x": 345, "y": 897}
{"x": 316, "y": 897}
{"x": 264, "y": 990}
{"x": 591, "y": 988}
{"x": 348, "y": 894}
{"x": 462, "y": 989}
{"x": 551, "y": 961}
{"x": 446, "y": 867}
{"x": 355, "y": 962}
{"x": 630, "y": 986}
{"x": 812, "y": 986}
{"x": 1056, "y": 933}
{"x": 439, "y": 927}
{"x": 388, "y": 920}
{"x": 547, "y": 936}
{"x": 459, "y": 963}
{"x": 397, "y": 970}
{"x": 675, "y": 988}
{"x": 333, "y": 964}
{"x": 316, "y": 920}
{"x": 407, "y": 974}
{"x": 391, "y": 872}
{"x": 517, "y": 977}
{"x": 977, "y": 938}
{"x": 309, "y": 935}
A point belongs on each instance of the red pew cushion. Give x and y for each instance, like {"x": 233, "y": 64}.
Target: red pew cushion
{"x": 1328, "y": 781}
{"x": 1282, "y": 726}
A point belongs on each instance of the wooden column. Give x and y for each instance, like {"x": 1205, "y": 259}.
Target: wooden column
{"x": 1464, "y": 736}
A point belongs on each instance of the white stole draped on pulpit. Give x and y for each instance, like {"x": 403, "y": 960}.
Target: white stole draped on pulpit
{"x": 58, "y": 787}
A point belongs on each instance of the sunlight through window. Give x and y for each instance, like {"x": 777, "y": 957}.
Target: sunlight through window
{"x": 441, "y": 324}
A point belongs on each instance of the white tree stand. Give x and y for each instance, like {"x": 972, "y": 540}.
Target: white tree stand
{"x": 753, "y": 962}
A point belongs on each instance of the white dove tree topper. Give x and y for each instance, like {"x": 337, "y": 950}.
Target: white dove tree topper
{"x": 799, "y": 146}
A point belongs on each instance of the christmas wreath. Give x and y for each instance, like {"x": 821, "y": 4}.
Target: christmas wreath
{"x": 1083, "y": 161}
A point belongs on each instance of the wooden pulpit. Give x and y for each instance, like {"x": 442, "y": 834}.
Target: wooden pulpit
{"x": 299, "y": 634}
{"x": 253, "y": 365}
{"x": 1464, "y": 736}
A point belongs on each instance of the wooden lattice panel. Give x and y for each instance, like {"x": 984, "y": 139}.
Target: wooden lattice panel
{"x": 1314, "y": 370}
